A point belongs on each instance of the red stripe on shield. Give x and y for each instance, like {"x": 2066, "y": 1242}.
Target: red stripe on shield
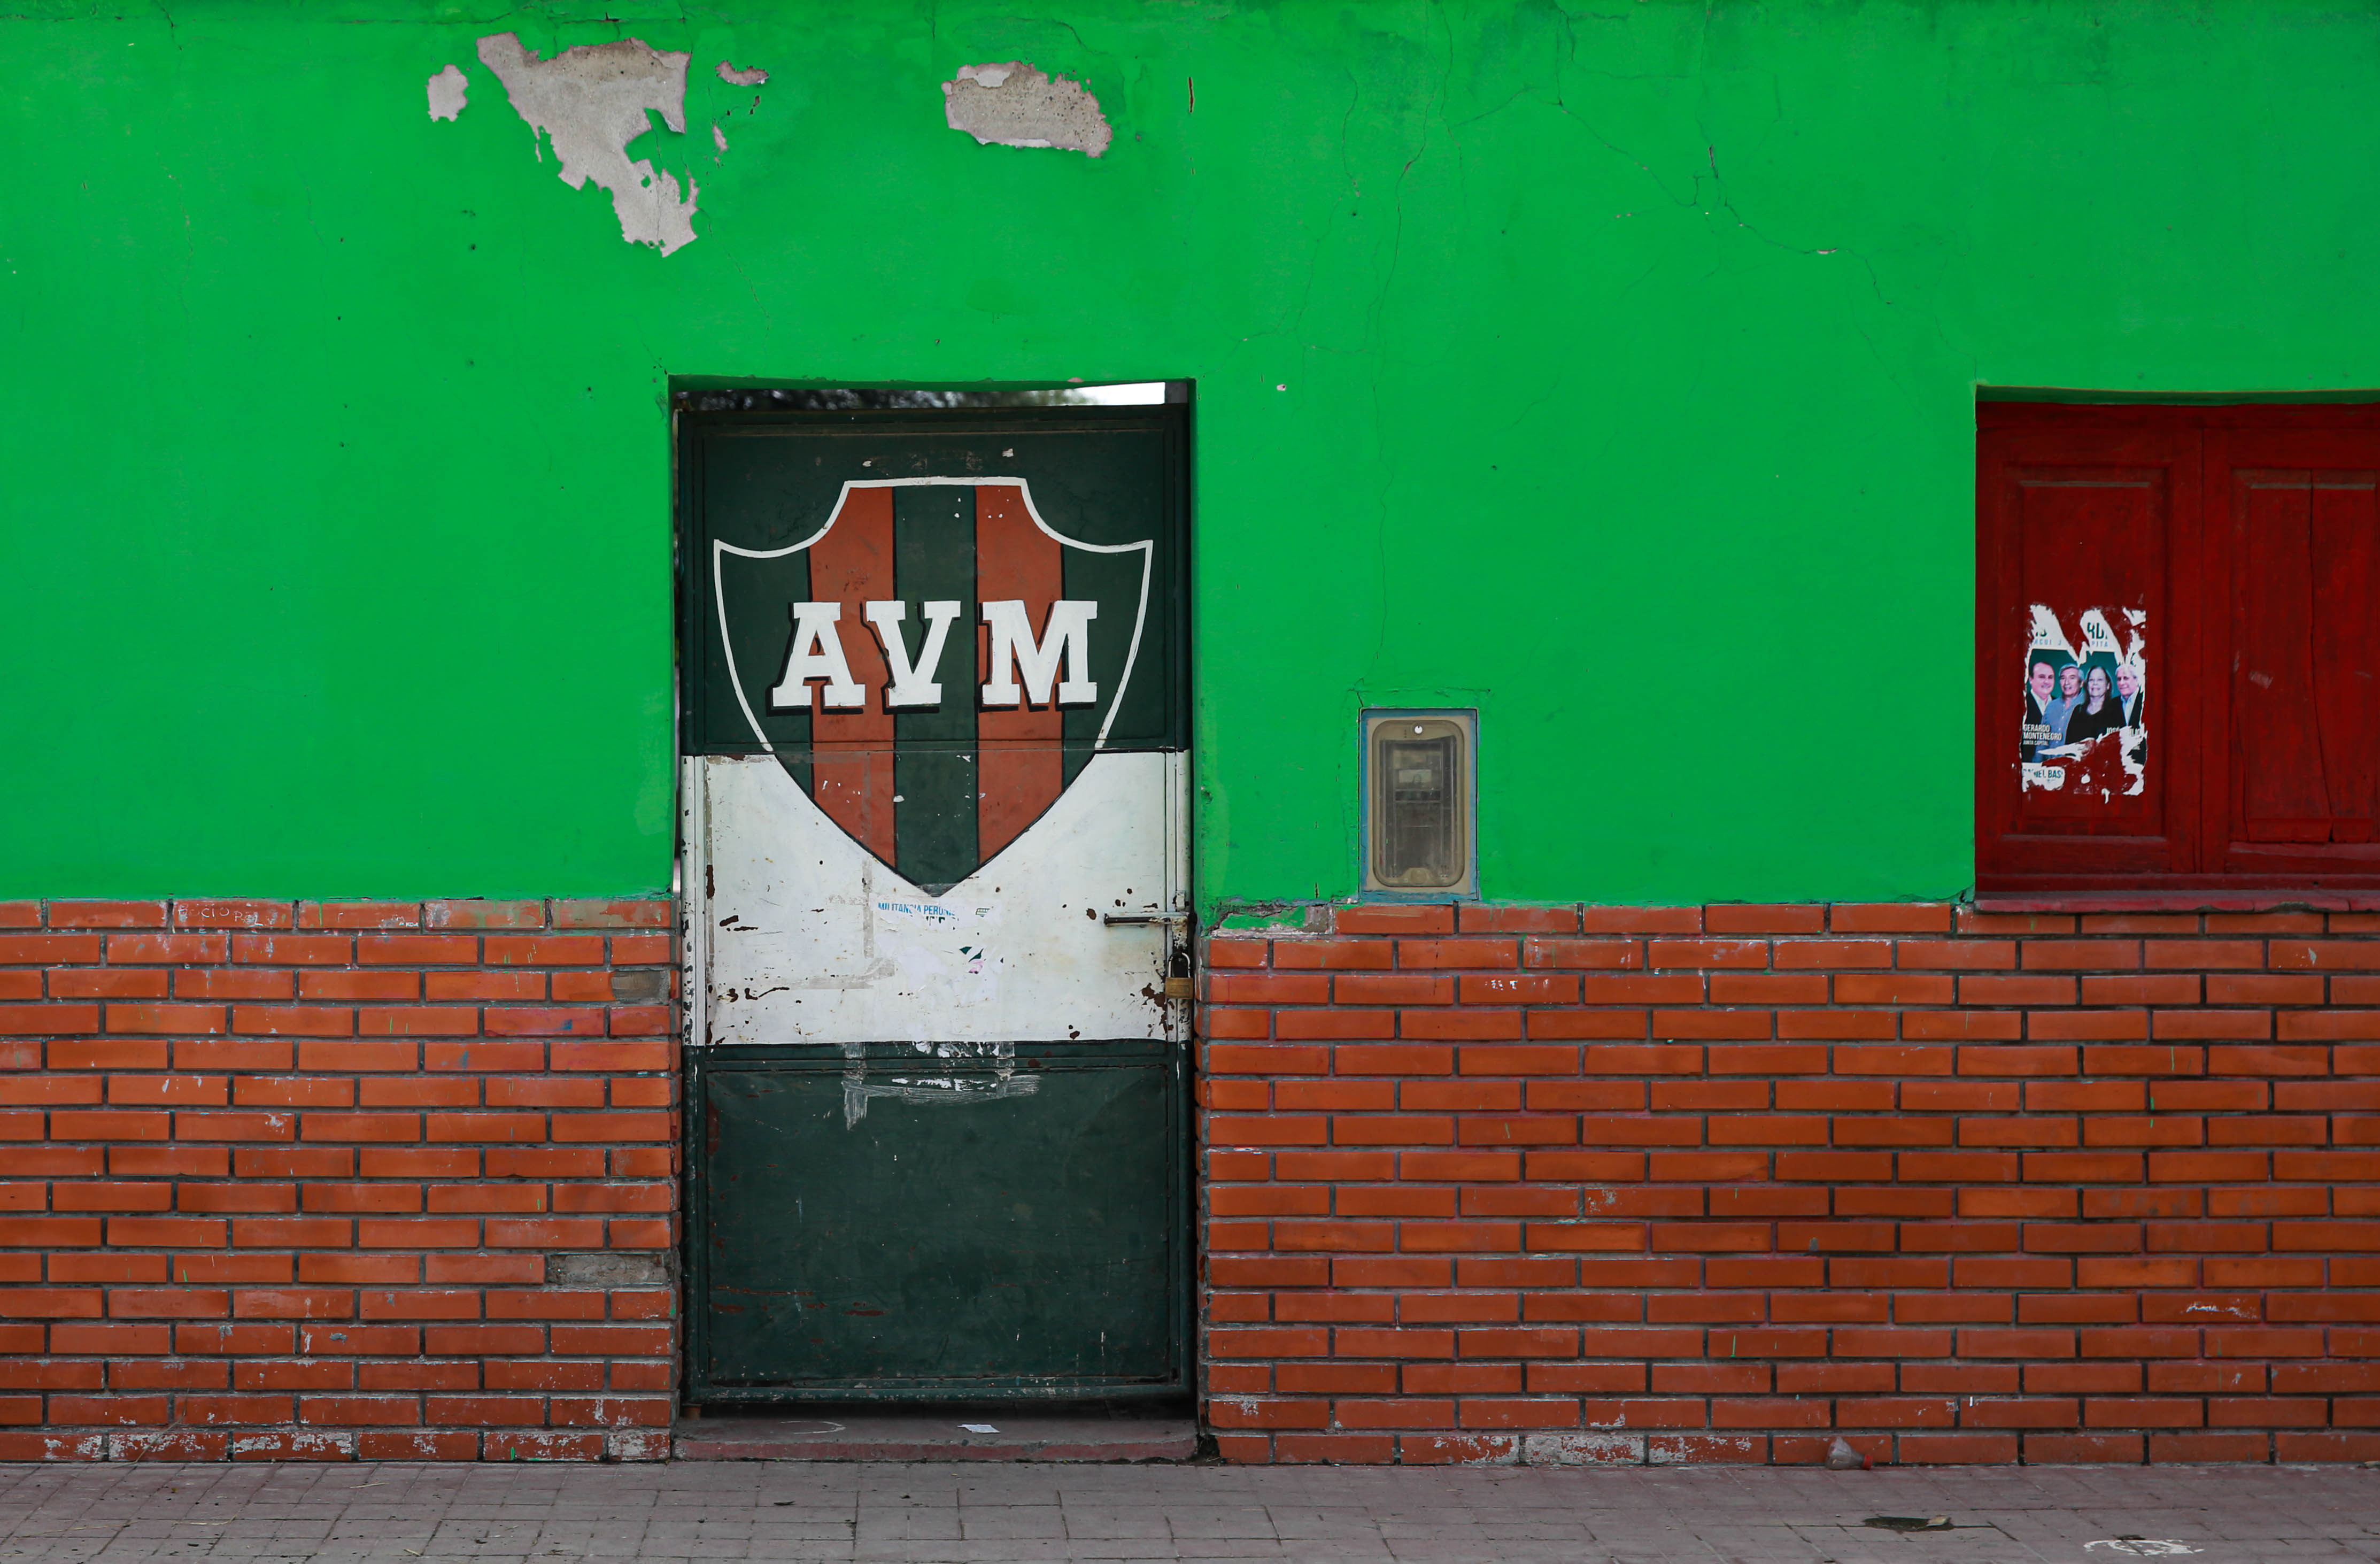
{"x": 1023, "y": 768}
{"x": 852, "y": 747}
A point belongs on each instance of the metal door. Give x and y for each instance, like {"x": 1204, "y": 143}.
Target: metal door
{"x": 935, "y": 825}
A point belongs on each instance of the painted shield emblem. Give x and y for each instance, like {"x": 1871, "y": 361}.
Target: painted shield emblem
{"x": 935, "y": 664}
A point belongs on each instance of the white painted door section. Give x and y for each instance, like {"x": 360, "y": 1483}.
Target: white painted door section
{"x": 796, "y": 934}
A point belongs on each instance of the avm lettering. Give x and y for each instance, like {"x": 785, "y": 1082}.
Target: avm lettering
{"x": 1022, "y": 667}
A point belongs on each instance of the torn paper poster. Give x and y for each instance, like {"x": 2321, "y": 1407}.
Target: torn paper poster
{"x": 2086, "y": 729}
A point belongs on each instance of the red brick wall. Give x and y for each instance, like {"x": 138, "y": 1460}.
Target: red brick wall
{"x": 336, "y": 1179}
{"x": 1723, "y": 1183}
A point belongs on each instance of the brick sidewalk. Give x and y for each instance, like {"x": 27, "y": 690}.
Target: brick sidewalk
{"x": 801, "y": 1511}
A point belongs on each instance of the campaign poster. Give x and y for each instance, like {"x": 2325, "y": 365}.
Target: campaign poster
{"x": 2085, "y": 731}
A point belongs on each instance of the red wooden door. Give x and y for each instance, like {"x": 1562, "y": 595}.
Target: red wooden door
{"x": 2220, "y": 567}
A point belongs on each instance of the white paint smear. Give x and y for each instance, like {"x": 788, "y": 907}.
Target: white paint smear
{"x": 590, "y": 102}
{"x": 449, "y": 91}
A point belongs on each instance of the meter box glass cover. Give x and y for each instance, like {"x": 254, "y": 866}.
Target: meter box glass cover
{"x": 1419, "y": 809}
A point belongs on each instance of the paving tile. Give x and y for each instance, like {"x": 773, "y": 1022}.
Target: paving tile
{"x": 879, "y": 1513}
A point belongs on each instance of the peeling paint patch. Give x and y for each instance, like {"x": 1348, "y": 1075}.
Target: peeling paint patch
{"x": 608, "y": 1268}
{"x": 590, "y": 102}
{"x": 1687, "y": 1449}
{"x": 450, "y": 89}
{"x": 755, "y": 76}
{"x": 295, "y": 1444}
{"x": 642, "y": 1445}
{"x": 1015, "y": 106}
{"x": 1582, "y": 1449}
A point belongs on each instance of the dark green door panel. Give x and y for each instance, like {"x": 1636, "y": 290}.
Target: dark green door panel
{"x": 904, "y": 1224}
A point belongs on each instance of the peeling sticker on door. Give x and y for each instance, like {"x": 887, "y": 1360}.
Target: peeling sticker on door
{"x": 929, "y": 1089}
{"x": 936, "y": 915}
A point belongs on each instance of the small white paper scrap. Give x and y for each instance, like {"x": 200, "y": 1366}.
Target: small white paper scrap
{"x": 979, "y": 1427}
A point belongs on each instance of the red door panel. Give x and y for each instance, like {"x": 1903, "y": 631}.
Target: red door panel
{"x": 2248, "y": 537}
{"x": 2072, "y": 520}
{"x": 2300, "y": 695}
{"x": 2089, "y": 539}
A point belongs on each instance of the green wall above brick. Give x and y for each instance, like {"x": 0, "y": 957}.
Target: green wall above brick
{"x": 1612, "y": 370}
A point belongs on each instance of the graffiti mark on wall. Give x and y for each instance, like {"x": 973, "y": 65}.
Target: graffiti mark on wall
{"x": 2085, "y": 729}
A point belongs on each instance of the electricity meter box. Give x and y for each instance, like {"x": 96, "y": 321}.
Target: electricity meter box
{"x": 1420, "y": 804}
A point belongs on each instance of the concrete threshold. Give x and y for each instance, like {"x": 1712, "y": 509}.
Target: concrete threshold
{"x": 1108, "y": 1431}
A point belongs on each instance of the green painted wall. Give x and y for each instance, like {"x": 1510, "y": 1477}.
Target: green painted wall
{"x": 1610, "y": 368}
